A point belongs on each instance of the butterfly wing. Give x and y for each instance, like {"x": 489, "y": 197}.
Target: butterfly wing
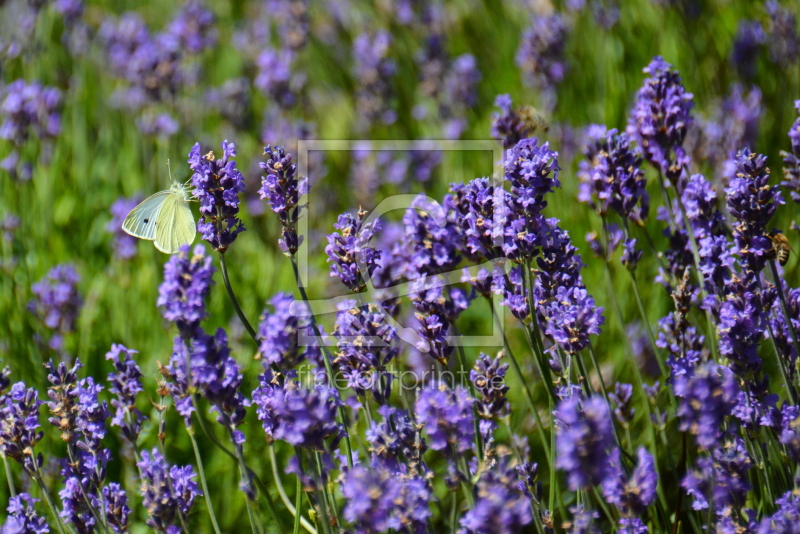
{"x": 175, "y": 226}
{"x": 141, "y": 221}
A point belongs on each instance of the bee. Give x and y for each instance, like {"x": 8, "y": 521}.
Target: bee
{"x": 780, "y": 246}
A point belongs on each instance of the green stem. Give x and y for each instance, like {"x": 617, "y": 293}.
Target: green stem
{"x": 234, "y": 301}
{"x": 11, "y": 489}
{"x": 326, "y": 357}
{"x": 294, "y": 510}
{"x": 297, "y": 500}
{"x": 787, "y": 317}
{"x": 202, "y": 472}
{"x": 38, "y": 478}
{"x": 661, "y": 363}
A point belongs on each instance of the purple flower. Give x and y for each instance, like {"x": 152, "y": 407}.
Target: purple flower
{"x": 214, "y": 373}
{"x": 571, "y": 317}
{"x": 660, "y": 118}
{"x": 124, "y": 244}
{"x": 583, "y": 521}
{"x": 367, "y": 344}
{"x": 782, "y": 38}
{"x": 631, "y": 256}
{"x": 126, "y": 383}
{"x": 742, "y": 323}
{"x": 152, "y": 65}
{"x": 489, "y": 378}
{"x": 19, "y": 419}
{"x": 432, "y": 237}
{"x": 282, "y": 190}
{"x": 187, "y": 283}
{"x": 746, "y": 45}
{"x": 217, "y": 184}
{"x": 558, "y": 261}
{"x": 277, "y": 77}
{"x": 157, "y": 125}
{"x": 733, "y": 124}
{"x": 349, "y": 252}
{"x": 500, "y": 505}
{"x": 303, "y": 417}
{"x": 584, "y": 440}
{"x": 374, "y": 70}
{"x": 483, "y": 210}
{"x": 91, "y": 415}
{"x": 29, "y": 110}
{"x": 56, "y": 302}
{"x": 605, "y": 250}
{"x": 707, "y": 398}
{"x": 379, "y": 501}
{"x": 116, "y": 507}
{"x": 167, "y": 491}
{"x": 459, "y": 95}
{"x": 632, "y": 525}
{"x": 780, "y": 332}
{"x": 510, "y": 125}
{"x": 611, "y": 177}
{"x": 395, "y": 441}
{"x": 752, "y": 202}
{"x": 790, "y": 430}
{"x": 446, "y": 415}
{"x": 720, "y": 480}
{"x": 541, "y": 51}
{"x": 785, "y": 519}
{"x": 532, "y": 171}
{"x": 278, "y": 332}
{"x": 194, "y": 26}
{"x": 634, "y": 494}
{"x": 22, "y": 517}
{"x": 791, "y": 160}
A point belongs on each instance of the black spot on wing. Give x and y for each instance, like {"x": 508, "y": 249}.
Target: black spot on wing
{"x": 146, "y": 221}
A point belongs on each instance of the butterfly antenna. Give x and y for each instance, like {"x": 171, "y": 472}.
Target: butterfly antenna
{"x": 169, "y": 171}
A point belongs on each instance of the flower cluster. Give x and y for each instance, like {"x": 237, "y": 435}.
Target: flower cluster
{"x": 168, "y": 492}
{"x": 217, "y": 184}
{"x": 349, "y": 253}
{"x": 446, "y": 415}
{"x": 660, "y": 118}
{"x": 282, "y": 189}
{"x": 57, "y": 303}
{"x": 541, "y": 52}
{"x": 279, "y": 331}
{"x": 612, "y": 177}
{"x": 374, "y": 69}
{"x": 298, "y": 415}
{"x": 29, "y": 110}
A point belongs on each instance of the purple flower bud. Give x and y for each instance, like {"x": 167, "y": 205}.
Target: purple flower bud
{"x": 22, "y": 517}
{"x": 446, "y": 415}
{"x": 782, "y": 38}
{"x": 349, "y": 252}
{"x": 571, "y": 317}
{"x": 611, "y": 177}
{"x": 746, "y": 45}
{"x": 126, "y": 383}
{"x": 488, "y": 376}
{"x": 29, "y": 110}
{"x": 19, "y": 419}
{"x": 379, "y": 500}
{"x": 167, "y": 492}
{"x": 540, "y": 56}
{"x": 282, "y": 190}
{"x": 279, "y": 333}
{"x": 57, "y": 303}
{"x": 124, "y": 244}
{"x": 303, "y": 417}
{"x": 194, "y": 26}
{"x": 187, "y": 283}
{"x": 500, "y": 505}
{"x": 374, "y": 70}
{"x": 217, "y": 184}
{"x": 707, "y": 398}
{"x": 583, "y": 440}
{"x": 791, "y": 160}
{"x": 660, "y": 118}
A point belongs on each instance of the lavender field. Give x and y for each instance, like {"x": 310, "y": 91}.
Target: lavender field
{"x": 411, "y": 266}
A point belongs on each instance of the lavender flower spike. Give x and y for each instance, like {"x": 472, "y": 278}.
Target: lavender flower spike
{"x": 349, "y": 252}
{"x": 217, "y": 184}
{"x": 660, "y": 118}
{"x": 22, "y": 518}
{"x": 447, "y": 417}
{"x": 167, "y": 491}
{"x": 19, "y": 419}
{"x": 282, "y": 190}
{"x": 126, "y": 383}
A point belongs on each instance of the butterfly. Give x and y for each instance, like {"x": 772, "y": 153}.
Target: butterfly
{"x": 164, "y": 218}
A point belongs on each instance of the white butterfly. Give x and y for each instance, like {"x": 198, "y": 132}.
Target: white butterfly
{"x": 164, "y": 218}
